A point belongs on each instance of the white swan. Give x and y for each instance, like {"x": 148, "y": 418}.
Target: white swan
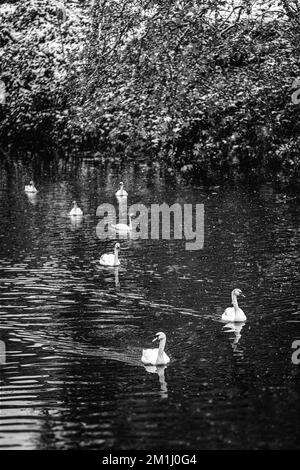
{"x": 156, "y": 356}
{"x": 121, "y": 191}
{"x": 76, "y": 211}
{"x": 30, "y": 188}
{"x": 111, "y": 259}
{"x": 235, "y": 313}
{"x": 124, "y": 227}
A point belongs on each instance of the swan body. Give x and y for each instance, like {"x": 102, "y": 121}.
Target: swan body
{"x": 123, "y": 227}
{"x": 121, "y": 191}
{"x": 76, "y": 211}
{"x": 235, "y": 313}
{"x": 30, "y": 188}
{"x": 111, "y": 259}
{"x": 157, "y": 356}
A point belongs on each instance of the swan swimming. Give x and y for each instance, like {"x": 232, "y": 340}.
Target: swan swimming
{"x": 235, "y": 313}
{"x": 76, "y": 211}
{"x": 121, "y": 191}
{"x": 111, "y": 259}
{"x": 30, "y": 188}
{"x": 124, "y": 227}
{"x": 156, "y": 356}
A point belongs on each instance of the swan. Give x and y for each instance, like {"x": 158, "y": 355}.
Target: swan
{"x": 124, "y": 227}
{"x": 121, "y": 191}
{"x": 111, "y": 259}
{"x": 30, "y": 188}
{"x": 235, "y": 313}
{"x": 76, "y": 211}
{"x": 156, "y": 356}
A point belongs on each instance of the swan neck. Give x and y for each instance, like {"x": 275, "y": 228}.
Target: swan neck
{"x": 162, "y": 345}
{"x": 116, "y": 256}
{"x": 234, "y": 302}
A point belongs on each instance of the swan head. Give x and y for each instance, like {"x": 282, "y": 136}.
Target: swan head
{"x": 31, "y": 183}
{"x": 117, "y": 246}
{"x": 160, "y": 336}
{"x": 237, "y": 293}
{"x": 74, "y": 203}
{"x": 121, "y": 184}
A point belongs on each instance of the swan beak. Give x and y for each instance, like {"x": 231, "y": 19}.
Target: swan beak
{"x": 242, "y": 295}
{"x": 155, "y": 339}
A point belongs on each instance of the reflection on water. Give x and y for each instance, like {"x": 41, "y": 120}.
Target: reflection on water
{"x": 72, "y": 331}
{"x": 32, "y": 198}
{"x": 160, "y": 371}
{"x": 112, "y": 273}
{"x": 76, "y": 221}
{"x": 236, "y": 329}
{"x": 2, "y": 352}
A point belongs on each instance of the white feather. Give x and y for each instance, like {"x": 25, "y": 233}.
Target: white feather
{"x": 30, "y": 188}
{"x": 76, "y": 211}
{"x": 150, "y": 356}
{"x": 111, "y": 259}
{"x": 156, "y": 356}
{"x": 121, "y": 193}
{"x": 235, "y": 313}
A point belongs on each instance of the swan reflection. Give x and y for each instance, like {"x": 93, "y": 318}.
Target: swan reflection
{"x": 115, "y": 270}
{"x": 236, "y": 329}
{"x": 160, "y": 371}
{"x": 76, "y": 221}
{"x": 117, "y": 281}
{"x": 2, "y": 352}
{"x": 32, "y": 198}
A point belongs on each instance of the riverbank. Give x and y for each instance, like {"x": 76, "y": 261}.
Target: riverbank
{"x": 205, "y": 99}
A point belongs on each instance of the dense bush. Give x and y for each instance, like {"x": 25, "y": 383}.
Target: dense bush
{"x": 205, "y": 94}
{"x": 204, "y": 85}
{"x": 37, "y": 55}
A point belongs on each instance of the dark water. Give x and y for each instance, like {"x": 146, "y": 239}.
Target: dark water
{"x": 74, "y": 331}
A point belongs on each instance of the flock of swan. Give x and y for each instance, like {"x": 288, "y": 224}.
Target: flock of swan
{"x": 153, "y": 356}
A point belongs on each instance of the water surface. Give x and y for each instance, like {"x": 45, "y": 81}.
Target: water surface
{"x": 73, "y": 331}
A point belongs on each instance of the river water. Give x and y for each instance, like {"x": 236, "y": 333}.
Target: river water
{"x": 72, "y": 332}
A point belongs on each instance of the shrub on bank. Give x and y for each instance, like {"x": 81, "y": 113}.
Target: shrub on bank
{"x": 37, "y": 59}
{"x": 167, "y": 81}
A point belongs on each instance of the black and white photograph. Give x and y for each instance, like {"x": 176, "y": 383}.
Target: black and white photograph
{"x": 149, "y": 228}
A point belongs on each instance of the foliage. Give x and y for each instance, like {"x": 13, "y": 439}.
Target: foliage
{"x": 32, "y": 65}
{"x": 204, "y": 85}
